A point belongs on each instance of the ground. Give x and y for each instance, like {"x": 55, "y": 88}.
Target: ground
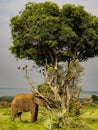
{"x": 88, "y": 120}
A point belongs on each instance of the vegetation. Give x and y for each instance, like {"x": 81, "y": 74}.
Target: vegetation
{"x": 88, "y": 120}
{"x": 6, "y": 98}
{"x": 94, "y": 98}
{"x": 45, "y": 90}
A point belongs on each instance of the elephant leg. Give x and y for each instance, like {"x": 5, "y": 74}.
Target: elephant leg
{"x": 13, "y": 116}
{"x": 32, "y": 116}
{"x": 13, "y": 112}
{"x": 34, "y": 113}
{"x": 19, "y": 115}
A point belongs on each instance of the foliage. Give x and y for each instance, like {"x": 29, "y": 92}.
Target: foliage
{"x": 94, "y": 98}
{"x": 42, "y": 30}
{"x": 6, "y": 98}
{"x": 45, "y": 90}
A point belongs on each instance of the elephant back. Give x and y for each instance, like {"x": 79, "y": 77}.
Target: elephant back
{"x": 22, "y": 102}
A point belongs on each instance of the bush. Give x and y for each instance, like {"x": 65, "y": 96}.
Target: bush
{"x": 94, "y": 98}
{"x": 75, "y": 107}
{"x": 45, "y": 90}
{"x": 6, "y": 99}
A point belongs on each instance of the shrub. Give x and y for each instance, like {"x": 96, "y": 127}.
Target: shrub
{"x": 6, "y": 99}
{"x": 94, "y": 98}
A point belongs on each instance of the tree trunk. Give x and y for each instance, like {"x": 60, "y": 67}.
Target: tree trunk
{"x": 67, "y": 98}
{"x": 63, "y": 101}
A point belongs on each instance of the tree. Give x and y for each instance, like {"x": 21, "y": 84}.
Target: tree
{"x": 94, "y": 98}
{"x": 56, "y": 39}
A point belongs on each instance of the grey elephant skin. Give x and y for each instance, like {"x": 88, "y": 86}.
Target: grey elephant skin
{"x": 27, "y": 102}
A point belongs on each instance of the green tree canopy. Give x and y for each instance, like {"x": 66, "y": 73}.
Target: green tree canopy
{"x": 44, "y": 31}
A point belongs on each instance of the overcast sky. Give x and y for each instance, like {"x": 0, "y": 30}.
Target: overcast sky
{"x": 10, "y": 76}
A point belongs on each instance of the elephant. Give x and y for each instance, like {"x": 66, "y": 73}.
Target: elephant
{"x": 28, "y": 102}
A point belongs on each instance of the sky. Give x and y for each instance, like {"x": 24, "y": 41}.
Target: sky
{"x": 10, "y": 76}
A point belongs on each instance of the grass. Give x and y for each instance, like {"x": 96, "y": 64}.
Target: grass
{"x": 90, "y": 116}
{"x": 6, "y": 124}
{"x": 88, "y": 120}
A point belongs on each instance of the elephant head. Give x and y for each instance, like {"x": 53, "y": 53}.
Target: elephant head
{"x": 41, "y": 101}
